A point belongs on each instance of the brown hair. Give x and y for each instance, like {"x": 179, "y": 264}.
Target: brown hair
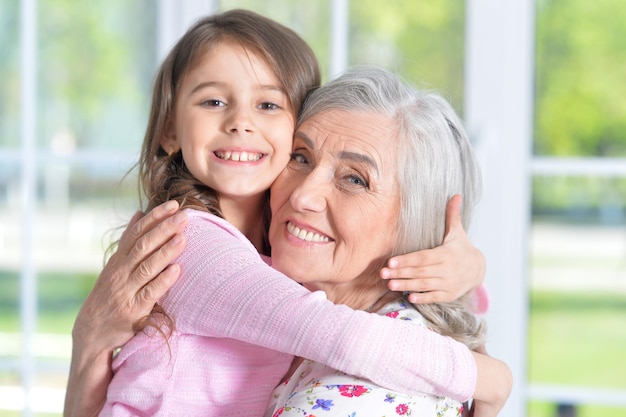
{"x": 164, "y": 177}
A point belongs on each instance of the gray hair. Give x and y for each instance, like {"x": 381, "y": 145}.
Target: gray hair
{"x": 436, "y": 161}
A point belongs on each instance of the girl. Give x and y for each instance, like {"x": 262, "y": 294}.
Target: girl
{"x": 220, "y": 130}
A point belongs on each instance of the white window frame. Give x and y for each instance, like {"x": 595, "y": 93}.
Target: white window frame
{"x": 498, "y": 113}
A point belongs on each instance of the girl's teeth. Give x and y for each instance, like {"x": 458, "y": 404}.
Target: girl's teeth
{"x": 239, "y": 156}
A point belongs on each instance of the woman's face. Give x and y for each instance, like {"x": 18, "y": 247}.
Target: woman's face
{"x": 336, "y": 205}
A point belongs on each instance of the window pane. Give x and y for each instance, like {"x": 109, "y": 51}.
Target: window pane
{"x": 580, "y": 88}
{"x": 578, "y": 287}
{"x": 578, "y": 239}
{"x": 422, "y": 41}
{"x": 96, "y": 63}
{"x": 10, "y": 80}
{"x": 310, "y": 20}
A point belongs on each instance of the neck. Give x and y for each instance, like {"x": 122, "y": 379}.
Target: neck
{"x": 246, "y": 214}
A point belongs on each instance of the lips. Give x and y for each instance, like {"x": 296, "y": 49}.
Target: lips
{"x": 306, "y": 235}
{"x": 236, "y": 156}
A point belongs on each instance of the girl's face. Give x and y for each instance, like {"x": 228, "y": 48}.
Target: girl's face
{"x": 335, "y": 206}
{"x": 232, "y": 122}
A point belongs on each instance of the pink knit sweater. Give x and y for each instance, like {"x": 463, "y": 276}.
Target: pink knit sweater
{"x": 231, "y": 308}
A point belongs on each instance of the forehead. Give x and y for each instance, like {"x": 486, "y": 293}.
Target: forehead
{"x": 360, "y": 129}
{"x": 230, "y": 63}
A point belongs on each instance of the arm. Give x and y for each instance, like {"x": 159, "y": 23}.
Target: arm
{"x": 226, "y": 290}
{"x": 441, "y": 274}
{"x": 140, "y": 268}
{"x": 493, "y": 386}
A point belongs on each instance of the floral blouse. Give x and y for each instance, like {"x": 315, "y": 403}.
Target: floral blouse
{"x": 317, "y": 390}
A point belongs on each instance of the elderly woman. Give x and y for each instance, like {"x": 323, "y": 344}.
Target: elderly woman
{"x": 373, "y": 164}
{"x": 348, "y": 248}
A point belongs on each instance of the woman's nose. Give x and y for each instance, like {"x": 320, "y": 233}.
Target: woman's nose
{"x": 311, "y": 193}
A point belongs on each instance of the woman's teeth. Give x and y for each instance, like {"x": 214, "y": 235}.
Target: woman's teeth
{"x": 304, "y": 235}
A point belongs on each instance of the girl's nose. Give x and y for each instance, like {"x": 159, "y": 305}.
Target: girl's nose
{"x": 239, "y": 120}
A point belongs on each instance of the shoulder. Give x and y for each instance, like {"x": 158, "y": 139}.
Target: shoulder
{"x": 203, "y": 225}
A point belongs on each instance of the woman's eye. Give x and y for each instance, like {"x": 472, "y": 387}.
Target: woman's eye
{"x": 358, "y": 181}
{"x": 298, "y": 158}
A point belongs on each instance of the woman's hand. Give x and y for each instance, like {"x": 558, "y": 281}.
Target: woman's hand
{"x": 134, "y": 278}
{"x": 441, "y": 274}
{"x": 132, "y": 281}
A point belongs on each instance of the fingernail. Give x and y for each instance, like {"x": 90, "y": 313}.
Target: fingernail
{"x": 170, "y": 205}
{"x": 171, "y": 273}
{"x": 384, "y": 273}
{"x": 393, "y": 263}
{"x": 180, "y": 217}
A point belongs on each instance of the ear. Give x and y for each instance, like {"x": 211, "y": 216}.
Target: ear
{"x": 169, "y": 141}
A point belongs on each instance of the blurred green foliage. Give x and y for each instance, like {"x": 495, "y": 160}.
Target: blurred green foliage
{"x": 581, "y": 68}
{"x": 579, "y": 199}
{"x": 422, "y": 41}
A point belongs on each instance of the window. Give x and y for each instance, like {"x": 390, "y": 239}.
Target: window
{"x": 539, "y": 85}
{"x": 81, "y": 74}
{"x": 578, "y": 241}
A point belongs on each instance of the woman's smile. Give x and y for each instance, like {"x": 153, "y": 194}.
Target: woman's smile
{"x": 307, "y": 235}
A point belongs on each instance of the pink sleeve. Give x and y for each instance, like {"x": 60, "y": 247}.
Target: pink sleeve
{"x": 226, "y": 290}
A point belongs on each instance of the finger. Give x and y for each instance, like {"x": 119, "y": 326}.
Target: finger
{"x": 138, "y": 215}
{"x": 153, "y": 265}
{"x": 430, "y": 297}
{"x": 420, "y": 258}
{"x": 154, "y": 217}
{"x": 416, "y": 285}
{"x": 453, "y": 215}
{"x": 155, "y": 238}
{"x": 156, "y": 288}
{"x": 412, "y": 272}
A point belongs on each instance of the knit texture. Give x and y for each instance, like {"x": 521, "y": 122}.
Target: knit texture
{"x": 226, "y": 290}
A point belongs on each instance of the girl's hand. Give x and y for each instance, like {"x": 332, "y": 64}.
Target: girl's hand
{"x": 441, "y": 274}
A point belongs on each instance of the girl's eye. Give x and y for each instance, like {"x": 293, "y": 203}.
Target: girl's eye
{"x": 213, "y": 103}
{"x": 269, "y": 106}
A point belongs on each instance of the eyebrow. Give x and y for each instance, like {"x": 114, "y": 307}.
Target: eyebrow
{"x": 352, "y": 156}
{"x": 207, "y": 84}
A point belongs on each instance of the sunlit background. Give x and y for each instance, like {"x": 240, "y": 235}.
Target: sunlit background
{"x": 541, "y": 85}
